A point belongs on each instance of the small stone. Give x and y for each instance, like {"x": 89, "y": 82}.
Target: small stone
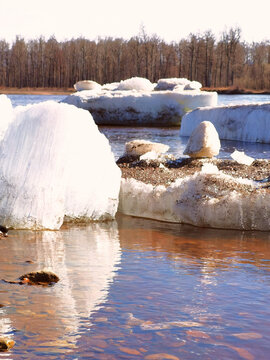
{"x": 141, "y": 147}
{"x": 203, "y": 142}
{"x": 6, "y": 344}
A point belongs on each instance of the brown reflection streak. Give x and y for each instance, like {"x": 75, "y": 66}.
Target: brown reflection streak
{"x": 217, "y": 247}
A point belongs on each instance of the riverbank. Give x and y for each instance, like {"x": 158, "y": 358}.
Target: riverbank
{"x": 36, "y": 91}
{"x": 67, "y": 91}
{"x": 231, "y": 90}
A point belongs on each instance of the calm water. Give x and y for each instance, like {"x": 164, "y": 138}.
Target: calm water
{"x": 134, "y": 288}
{"x": 137, "y": 289}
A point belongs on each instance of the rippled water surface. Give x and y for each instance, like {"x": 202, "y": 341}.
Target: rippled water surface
{"x": 135, "y": 288}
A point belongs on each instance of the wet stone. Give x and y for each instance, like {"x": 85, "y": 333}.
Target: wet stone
{"x": 6, "y": 344}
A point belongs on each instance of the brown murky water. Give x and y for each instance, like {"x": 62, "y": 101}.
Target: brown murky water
{"x": 137, "y": 289}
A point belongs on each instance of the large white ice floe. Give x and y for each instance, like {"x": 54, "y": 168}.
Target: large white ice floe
{"x": 140, "y": 108}
{"x": 55, "y": 164}
{"x": 208, "y": 198}
{"x": 249, "y": 122}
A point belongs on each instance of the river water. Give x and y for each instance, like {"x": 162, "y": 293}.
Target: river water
{"x": 137, "y": 289}
{"x": 119, "y": 135}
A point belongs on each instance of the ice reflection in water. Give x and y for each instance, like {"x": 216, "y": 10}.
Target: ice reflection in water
{"x": 137, "y": 288}
{"x": 84, "y": 258}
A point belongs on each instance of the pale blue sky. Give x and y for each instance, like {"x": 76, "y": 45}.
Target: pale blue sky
{"x": 172, "y": 20}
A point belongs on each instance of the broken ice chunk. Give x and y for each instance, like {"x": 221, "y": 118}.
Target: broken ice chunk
{"x": 241, "y": 158}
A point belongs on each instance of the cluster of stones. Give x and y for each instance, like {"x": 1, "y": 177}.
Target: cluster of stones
{"x": 203, "y": 143}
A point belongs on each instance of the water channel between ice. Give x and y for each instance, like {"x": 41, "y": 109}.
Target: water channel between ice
{"x": 119, "y": 135}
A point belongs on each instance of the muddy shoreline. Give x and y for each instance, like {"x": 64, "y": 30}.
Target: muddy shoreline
{"x": 36, "y": 91}
{"x": 67, "y": 91}
{"x": 236, "y": 91}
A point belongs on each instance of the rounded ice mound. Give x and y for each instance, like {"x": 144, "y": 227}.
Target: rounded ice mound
{"x": 170, "y": 83}
{"x": 141, "y": 147}
{"x": 136, "y": 83}
{"x": 6, "y": 112}
{"x": 110, "y": 86}
{"x": 203, "y": 142}
{"x": 86, "y": 85}
{"x": 55, "y": 163}
{"x": 193, "y": 85}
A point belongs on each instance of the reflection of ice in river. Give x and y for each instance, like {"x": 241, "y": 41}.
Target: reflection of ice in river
{"x": 84, "y": 258}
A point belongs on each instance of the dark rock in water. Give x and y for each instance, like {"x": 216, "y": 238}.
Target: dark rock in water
{"x": 39, "y": 278}
{"x": 125, "y": 159}
{"x": 3, "y": 231}
{"x": 6, "y": 344}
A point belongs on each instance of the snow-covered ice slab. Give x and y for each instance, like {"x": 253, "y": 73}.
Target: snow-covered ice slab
{"x": 206, "y": 199}
{"x": 250, "y": 122}
{"x": 55, "y": 164}
{"x": 140, "y": 108}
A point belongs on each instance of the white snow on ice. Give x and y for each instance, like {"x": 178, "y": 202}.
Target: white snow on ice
{"x": 171, "y": 83}
{"x": 136, "y": 83}
{"x": 55, "y": 164}
{"x": 248, "y": 122}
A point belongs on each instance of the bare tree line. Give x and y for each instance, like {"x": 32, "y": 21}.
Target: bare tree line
{"x": 201, "y": 57}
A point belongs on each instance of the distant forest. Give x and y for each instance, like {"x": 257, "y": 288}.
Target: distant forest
{"x": 225, "y": 62}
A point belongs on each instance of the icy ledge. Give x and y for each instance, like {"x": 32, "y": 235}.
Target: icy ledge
{"x": 249, "y": 122}
{"x": 208, "y": 199}
{"x": 140, "y": 108}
